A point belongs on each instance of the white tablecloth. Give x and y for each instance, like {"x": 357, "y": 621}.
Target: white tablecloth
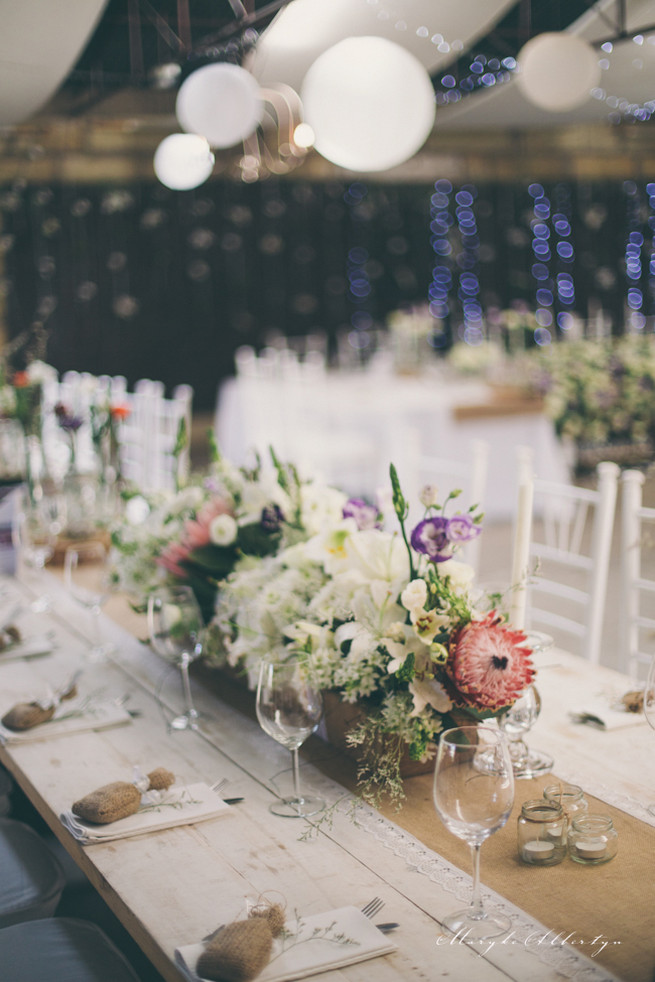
{"x": 349, "y": 426}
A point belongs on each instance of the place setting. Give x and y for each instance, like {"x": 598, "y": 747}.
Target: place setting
{"x": 61, "y": 710}
{"x": 275, "y": 944}
{"x": 149, "y": 803}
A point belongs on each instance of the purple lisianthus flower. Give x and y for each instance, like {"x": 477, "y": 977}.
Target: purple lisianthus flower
{"x": 461, "y": 528}
{"x": 66, "y": 419}
{"x": 430, "y": 537}
{"x": 272, "y": 518}
{"x": 366, "y": 516}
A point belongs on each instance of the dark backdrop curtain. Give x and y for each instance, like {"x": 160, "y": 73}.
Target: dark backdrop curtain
{"x": 146, "y": 282}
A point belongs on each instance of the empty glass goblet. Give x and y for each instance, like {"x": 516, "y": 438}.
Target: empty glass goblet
{"x": 176, "y": 628}
{"x": 473, "y": 796}
{"x": 289, "y": 708}
{"x": 518, "y": 720}
{"x": 87, "y": 579}
{"x": 34, "y": 533}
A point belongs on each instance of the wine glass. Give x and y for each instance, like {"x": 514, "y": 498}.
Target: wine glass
{"x": 34, "y": 533}
{"x": 518, "y": 719}
{"x": 289, "y": 708}
{"x": 649, "y": 706}
{"x": 175, "y": 627}
{"x": 86, "y": 577}
{"x": 473, "y": 796}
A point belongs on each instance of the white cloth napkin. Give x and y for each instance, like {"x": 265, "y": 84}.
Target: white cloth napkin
{"x": 293, "y": 959}
{"x": 177, "y": 806}
{"x": 607, "y": 707}
{"x": 95, "y": 716}
{"x": 27, "y": 648}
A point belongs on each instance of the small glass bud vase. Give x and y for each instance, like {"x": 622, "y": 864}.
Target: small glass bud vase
{"x": 593, "y": 840}
{"x": 570, "y": 797}
{"x": 541, "y": 833}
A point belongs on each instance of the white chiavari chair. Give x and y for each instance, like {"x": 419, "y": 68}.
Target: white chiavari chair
{"x": 569, "y": 556}
{"x": 637, "y": 597}
{"x": 148, "y": 438}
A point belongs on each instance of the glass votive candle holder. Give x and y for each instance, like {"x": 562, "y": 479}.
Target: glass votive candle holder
{"x": 541, "y": 832}
{"x": 593, "y": 840}
{"x": 570, "y": 797}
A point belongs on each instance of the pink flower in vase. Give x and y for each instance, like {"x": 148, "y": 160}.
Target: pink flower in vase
{"x": 489, "y": 664}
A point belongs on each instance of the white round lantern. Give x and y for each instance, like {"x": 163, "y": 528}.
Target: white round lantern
{"x": 220, "y": 102}
{"x": 557, "y": 71}
{"x": 183, "y": 161}
{"x": 370, "y": 103}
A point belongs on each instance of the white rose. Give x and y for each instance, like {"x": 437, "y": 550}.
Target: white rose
{"x": 414, "y": 595}
{"x": 223, "y": 530}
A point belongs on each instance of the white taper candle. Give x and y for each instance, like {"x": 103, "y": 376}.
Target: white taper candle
{"x": 521, "y": 554}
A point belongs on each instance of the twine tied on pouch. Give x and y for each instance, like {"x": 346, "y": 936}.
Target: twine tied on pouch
{"x": 240, "y": 950}
{"x": 26, "y": 715}
{"x": 119, "y": 799}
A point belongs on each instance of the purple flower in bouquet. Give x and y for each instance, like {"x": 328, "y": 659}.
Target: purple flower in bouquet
{"x": 461, "y": 528}
{"x": 272, "y": 518}
{"x": 366, "y": 516}
{"x": 68, "y": 421}
{"x": 430, "y": 537}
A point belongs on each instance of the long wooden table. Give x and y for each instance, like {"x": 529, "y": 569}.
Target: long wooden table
{"x": 173, "y": 887}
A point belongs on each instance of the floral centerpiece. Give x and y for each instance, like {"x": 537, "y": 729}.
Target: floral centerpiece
{"x": 197, "y": 534}
{"x": 600, "y": 395}
{"x": 388, "y": 622}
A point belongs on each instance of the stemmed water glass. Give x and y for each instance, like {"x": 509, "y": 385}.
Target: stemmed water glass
{"x": 34, "y": 532}
{"x": 649, "y": 706}
{"x": 289, "y": 708}
{"x": 473, "y": 796}
{"x": 87, "y": 580}
{"x": 518, "y": 719}
{"x": 176, "y": 628}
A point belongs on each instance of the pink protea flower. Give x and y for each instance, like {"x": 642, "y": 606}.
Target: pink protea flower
{"x": 171, "y": 557}
{"x": 194, "y": 535}
{"x": 196, "y": 531}
{"x": 488, "y": 664}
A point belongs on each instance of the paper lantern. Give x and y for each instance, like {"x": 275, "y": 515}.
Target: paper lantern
{"x": 557, "y": 71}
{"x": 220, "y": 102}
{"x": 183, "y": 161}
{"x": 370, "y": 103}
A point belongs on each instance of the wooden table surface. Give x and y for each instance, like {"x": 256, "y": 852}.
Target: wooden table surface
{"x": 173, "y": 887}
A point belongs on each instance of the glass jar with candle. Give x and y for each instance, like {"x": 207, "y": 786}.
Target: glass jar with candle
{"x": 570, "y": 797}
{"x": 542, "y": 828}
{"x": 593, "y": 840}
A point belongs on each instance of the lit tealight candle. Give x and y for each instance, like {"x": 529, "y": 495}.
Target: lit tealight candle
{"x": 538, "y": 850}
{"x": 591, "y": 848}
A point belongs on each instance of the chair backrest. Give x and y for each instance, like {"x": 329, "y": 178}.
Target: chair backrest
{"x": 148, "y": 437}
{"x": 416, "y": 467}
{"x": 637, "y": 622}
{"x": 569, "y": 556}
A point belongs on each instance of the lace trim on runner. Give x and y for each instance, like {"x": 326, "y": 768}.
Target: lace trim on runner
{"x": 618, "y": 799}
{"x": 571, "y": 964}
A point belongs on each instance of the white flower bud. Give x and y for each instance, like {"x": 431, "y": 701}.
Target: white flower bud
{"x": 429, "y": 496}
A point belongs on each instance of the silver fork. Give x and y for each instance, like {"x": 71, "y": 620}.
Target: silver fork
{"x": 218, "y": 786}
{"x": 373, "y": 907}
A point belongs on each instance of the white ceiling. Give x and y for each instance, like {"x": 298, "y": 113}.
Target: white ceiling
{"x": 40, "y": 43}
{"x": 631, "y": 76}
{"x": 306, "y": 28}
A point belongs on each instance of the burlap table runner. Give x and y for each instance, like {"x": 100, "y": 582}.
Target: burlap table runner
{"x": 614, "y": 902}
{"x": 612, "y": 905}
